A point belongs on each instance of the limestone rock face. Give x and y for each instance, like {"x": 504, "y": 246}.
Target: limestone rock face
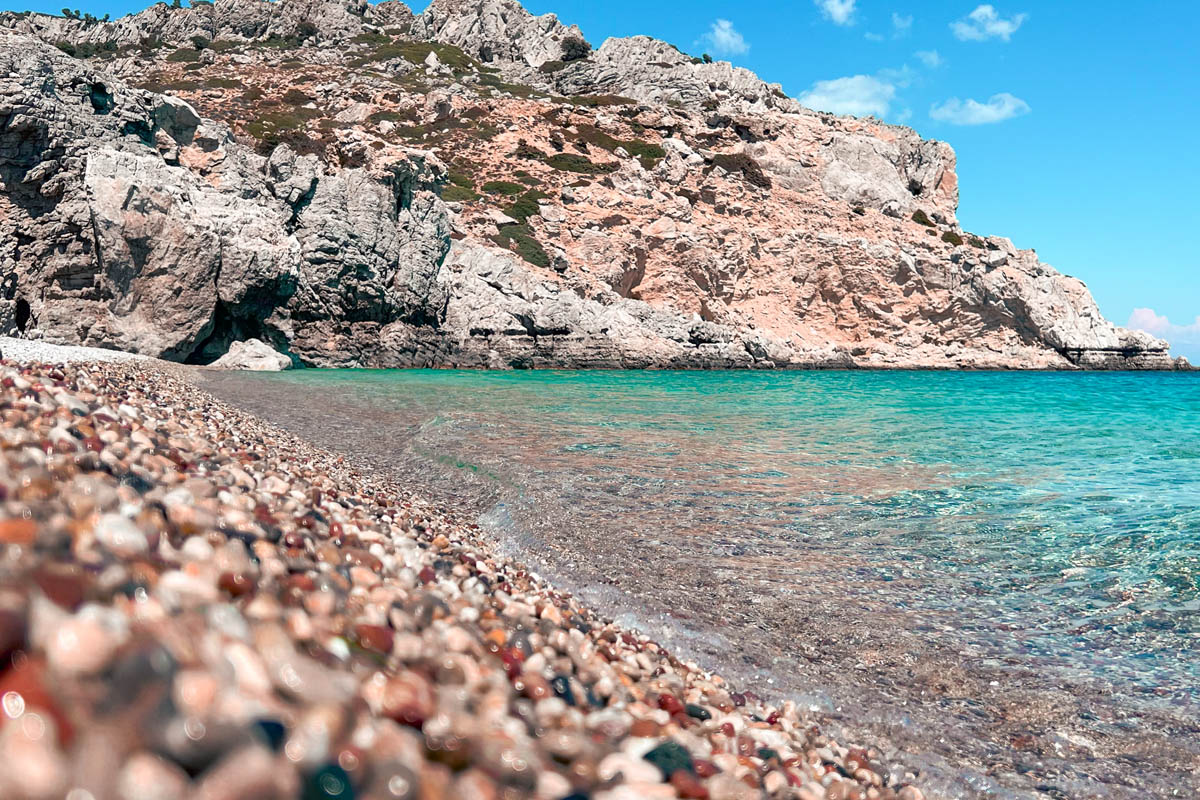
{"x": 653, "y": 71}
{"x": 127, "y": 221}
{"x": 253, "y": 355}
{"x": 496, "y": 30}
{"x": 628, "y": 206}
{"x": 327, "y": 20}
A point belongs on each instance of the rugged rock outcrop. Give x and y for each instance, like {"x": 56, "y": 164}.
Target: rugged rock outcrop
{"x": 128, "y": 221}
{"x": 500, "y": 31}
{"x": 245, "y": 20}
{"x": 476, "y": 186}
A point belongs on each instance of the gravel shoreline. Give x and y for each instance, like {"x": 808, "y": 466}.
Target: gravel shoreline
{"x": 196, "y": 604}
{"x": 37, "y": 351}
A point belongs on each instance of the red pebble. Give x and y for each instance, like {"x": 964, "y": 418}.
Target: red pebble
{"x": 705, "y": 769}
{"x": 513, "y": 660}
{"x": 427, "y": 574}
{"x": 303, "y": 582}
{"x": 12, "y": 635}
{"x": 859, "y": 757}
{"x": 235, "y": 584}
{"x": 688, "y": 785}
{"x": 25, "y": 678}
{"x": 670, "y": 704}
{"x": 727, "y": 729}
{"x": 375, "y": 637}
{"x": 65, "y": 585}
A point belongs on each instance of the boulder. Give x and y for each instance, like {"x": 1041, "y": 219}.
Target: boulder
{"x": 253, "y": 355}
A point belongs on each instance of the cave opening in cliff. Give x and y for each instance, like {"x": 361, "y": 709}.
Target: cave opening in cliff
{"x": 226, "y": 329}
{"x": 22, "y": 314}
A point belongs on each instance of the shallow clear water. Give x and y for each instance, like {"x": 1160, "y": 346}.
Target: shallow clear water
{"x": 1015, "y": 554}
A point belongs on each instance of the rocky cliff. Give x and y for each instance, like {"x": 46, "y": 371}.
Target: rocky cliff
{"x": 477, "y": 186}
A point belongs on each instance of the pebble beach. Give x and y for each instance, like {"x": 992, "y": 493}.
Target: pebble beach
{"x": 196, "y": 604}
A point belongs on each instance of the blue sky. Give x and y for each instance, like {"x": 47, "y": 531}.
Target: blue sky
{"x": 1077, "y": 123}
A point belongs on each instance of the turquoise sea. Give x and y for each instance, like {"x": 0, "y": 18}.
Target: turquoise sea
{"x": 998, "y": 574}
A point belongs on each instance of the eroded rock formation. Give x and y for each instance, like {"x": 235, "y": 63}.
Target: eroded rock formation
{"x": 476, "y": 186}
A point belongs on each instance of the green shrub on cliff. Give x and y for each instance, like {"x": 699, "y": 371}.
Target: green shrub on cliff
{"x": 515, "y": 89}
{"x": 86, "y": 49}
{"x": 295, "y": 97}
{"x": 460, "y": 186}
{"x": 371, "y": 38}
{"x": 575, "y": 48}
{"x": 184, "y": 55}
{"x": 280, "y": 127}
{"x": 387, "y": 115}
{"x": 921, "y": 218}
{"x": 952, "y": 237}
{"x": 506, "y": 188}
{"x": 570, "y": 162}
{"x": 520, "y": 239}
{"x": 459, "y": 194}
{"x": 600, "y": 100}
{"x": 416, "y": 53}
{"x": 526, "y": 206}
{"x": 648, "y": 154}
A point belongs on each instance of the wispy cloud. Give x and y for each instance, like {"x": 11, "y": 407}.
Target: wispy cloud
{"x": 998, "y": 108}
{"x": 724, "y": 39}
{"x": 839, "y": 12}
{"x": 901, "y": 78}
{"x": 1184, "y": 339}
{"x": 901, "y": 25}
{"x": 858, "y": 95}
{"x": 930, "y": 58}
{"x": 986, "y": 23}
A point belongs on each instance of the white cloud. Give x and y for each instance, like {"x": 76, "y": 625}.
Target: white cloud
{"x": 724, "y": 39}
{"x": 839, "y": 12}
{"x": 1145, "y": 319}
{"x": 985, "y": 23}
{"x": 998, "y": 108}
{"x": 901, "y": 78}
{"x": 1184, "y": 339}
{"x": 859, "y": 95}
{"x": 930, "y": 58}
{"x": 874, "y": 37}
{"x": 901, "y": 25}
